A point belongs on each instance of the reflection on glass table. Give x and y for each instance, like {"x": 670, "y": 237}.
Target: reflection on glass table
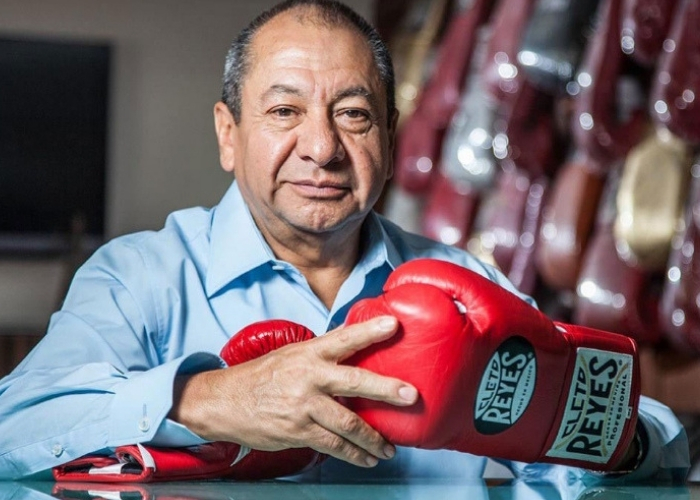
{"x": 288, "y": 490}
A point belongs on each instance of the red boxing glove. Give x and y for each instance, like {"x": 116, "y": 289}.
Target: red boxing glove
{"x": 252, "y": 342}
{"x": 139, "y": 463}
{"x": 496, "y": 377}
{"x": 142, "y": 464}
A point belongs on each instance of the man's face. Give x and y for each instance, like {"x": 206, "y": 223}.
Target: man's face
{"x": 312, "y": 149}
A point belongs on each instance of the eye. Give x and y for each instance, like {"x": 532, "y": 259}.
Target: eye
{"x": 283, "y": 112}
{"x": 354, "y": 119}
{"x": 355, "y": 114}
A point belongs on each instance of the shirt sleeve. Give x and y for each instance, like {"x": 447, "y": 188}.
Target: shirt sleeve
{"x": 98, "y": 379}
{"x": 666, "y": 455}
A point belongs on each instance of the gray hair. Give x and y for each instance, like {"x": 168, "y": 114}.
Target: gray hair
{"x": 330, "y": 12}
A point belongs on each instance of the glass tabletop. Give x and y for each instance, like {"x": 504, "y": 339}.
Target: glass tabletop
{"x": 404, "y": 490}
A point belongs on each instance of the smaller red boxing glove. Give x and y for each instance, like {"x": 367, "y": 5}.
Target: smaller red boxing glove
{"x": 252, "y": 342}
{"x": 144, "y": 463}
{"x": 496, "y": 377}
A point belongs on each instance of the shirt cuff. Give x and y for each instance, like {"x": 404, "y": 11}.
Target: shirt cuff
{"x": 666, "y": 456}
{"x": 144, "y": 400}
{"x": 662, "y": 461}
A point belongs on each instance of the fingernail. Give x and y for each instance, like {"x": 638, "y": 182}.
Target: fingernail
{"x": 389, "y": 451}
{"x": 408, "y": 393}
{"x": 371, "y": 461}
{"x": 387, "y": 323}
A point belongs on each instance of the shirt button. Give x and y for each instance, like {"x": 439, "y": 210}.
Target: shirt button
{"x": 57, "y": 450}
{"x": 144, "y": 424}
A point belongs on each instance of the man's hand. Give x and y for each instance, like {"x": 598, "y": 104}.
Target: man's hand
{"x": 285, "y": 399}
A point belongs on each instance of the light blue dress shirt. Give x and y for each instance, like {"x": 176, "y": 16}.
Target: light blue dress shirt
{"x": 151, "y": 305}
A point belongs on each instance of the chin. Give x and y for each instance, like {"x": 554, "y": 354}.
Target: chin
{"x": 317, "y": 222}
{"x": 326, "y": 226}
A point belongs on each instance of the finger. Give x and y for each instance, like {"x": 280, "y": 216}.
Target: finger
{"x": 335, "y": 446}
{"x": 351, "y": 381}
{"x": 348, "y": 437}
{"x": 343, "y": 422}
{"x": 343, "y": 342}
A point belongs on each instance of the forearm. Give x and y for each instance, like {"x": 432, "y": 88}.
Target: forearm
{"x": 194, "y": 404}
{"x": 221, "y": 405}
{"x": 49, "y": 417}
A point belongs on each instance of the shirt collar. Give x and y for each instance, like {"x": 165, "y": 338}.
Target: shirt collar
{"x": 379, "y": 247}
{"x": 237, "y": 246}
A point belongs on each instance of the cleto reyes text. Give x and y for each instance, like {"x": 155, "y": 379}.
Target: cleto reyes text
{"x": 503, "y": 379}
{"x": 597, "y": 407}
{"x": 506, "y": 386}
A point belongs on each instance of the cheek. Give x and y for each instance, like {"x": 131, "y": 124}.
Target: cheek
{"x": 372, "y": 164}
{"x": 266, "y": 155}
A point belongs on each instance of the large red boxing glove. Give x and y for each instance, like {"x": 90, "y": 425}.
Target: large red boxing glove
{"x": 496, "y": 377}
{"x": 143, "y": 463}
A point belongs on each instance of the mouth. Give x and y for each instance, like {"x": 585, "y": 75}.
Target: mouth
{"x": 320, "y": 190}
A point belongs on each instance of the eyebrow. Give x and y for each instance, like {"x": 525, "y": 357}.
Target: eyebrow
{"x": 280, "y": 88}
{"x": 357, "y": 91}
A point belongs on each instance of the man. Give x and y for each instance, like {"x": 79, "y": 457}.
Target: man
{"x": 307, "y": 127}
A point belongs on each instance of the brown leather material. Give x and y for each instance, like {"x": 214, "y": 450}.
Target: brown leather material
{"x": 595, "y": 125}
{"x": 411, "y": 46}
{"x": 500, "y": 72}
{"x": 567, "y": 222}
{"x": 420, "y": 141}
{"x": 675, "y": 94}
{"x": 526, "y": 121}
{"x": 417, "y": 154}
{"x": 507, "y": 225}
{"x": 650, "y": 199}
{"x": 442, "y": 92}
{"x": 612, "y": 294}
{"x": 679, "y": 309}
{"x": 523, "y": 271}
{"x": 645, "y": 24}
{"x": 450, "y": 211}
{"x": 499, "y": 220}
{"x": 506, "y": 221}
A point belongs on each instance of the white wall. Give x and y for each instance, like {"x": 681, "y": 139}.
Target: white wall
{"x": 167, "y": 61}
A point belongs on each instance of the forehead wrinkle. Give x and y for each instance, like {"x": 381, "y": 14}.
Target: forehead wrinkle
{"x": 281, "y": 89}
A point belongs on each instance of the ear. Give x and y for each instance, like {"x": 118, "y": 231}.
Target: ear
{"x": 226, "y": 129}
{"x": 393, "y": 125}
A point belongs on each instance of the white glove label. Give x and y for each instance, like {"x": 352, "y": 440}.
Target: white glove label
{"x": 506, "y": 386}
{"x": 597, "y": 406}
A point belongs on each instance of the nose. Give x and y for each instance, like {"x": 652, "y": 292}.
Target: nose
{"x": 318, "y": 140}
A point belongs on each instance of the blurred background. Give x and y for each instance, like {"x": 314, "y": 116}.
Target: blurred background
{"x": 106, "y": 126}
{"x": 557, "y": 140}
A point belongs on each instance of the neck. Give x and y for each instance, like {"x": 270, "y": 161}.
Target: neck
{"x": 325, "y": 260}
